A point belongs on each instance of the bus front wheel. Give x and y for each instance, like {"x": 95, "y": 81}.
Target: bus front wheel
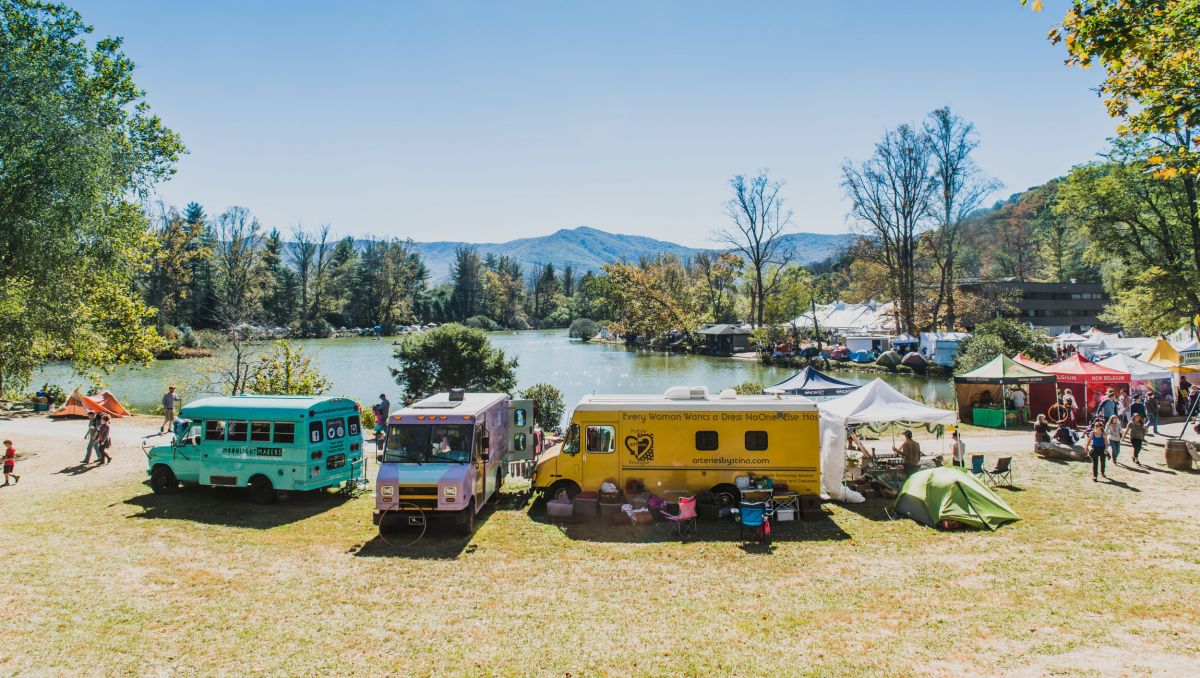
{"x": 561, "y": 486}
{"x": 163, "y": 480}
{"x": 261, "y": 490}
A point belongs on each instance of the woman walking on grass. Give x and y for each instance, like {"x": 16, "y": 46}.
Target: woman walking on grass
{"x": 1137, "y": 435}
{"x": 1097, "y": 451}
{"x": 93, "y": 439}
{"x": 1114, "y": 432}
{"x": 104, "y": 435}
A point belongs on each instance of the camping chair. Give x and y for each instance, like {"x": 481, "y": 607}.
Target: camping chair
{"x": 1002, "y": 474}
{"x": 684, "y": 523}
{"x": 977, "y": 466}
{"x": 754, "y": 516}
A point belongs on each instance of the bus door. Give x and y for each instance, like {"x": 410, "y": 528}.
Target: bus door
{"x": 186, "y": 464}
{"x": 600, "y": 459}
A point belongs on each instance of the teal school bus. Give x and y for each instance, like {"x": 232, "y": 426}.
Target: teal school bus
{"x": 267, "y": 444}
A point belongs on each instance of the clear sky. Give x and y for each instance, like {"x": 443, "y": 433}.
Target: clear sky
{"x": 495, "y": 120}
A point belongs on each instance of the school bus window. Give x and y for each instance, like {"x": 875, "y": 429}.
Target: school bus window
{"x": 600, "y": 439}
{"x": 756, "y": 441}
{"x": 571, "y": 443}
{"x": 519, "y": 417}
{"x": 519, "y": 442}
{"x": 352, "y": 425}
{"x": 315, "y": 432}
{"x": 285, "y": 432}
{"x": 706, "y": 440}
{"x": 237, "y": 431}
{"x": 260, "y": 431}
{"x": 214, "y": 430}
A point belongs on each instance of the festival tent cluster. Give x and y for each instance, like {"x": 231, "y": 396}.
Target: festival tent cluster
{"x": 1144, "y": 377}
{"x": 1087, "y": 381}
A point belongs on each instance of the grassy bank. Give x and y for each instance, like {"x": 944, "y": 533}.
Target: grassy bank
{"x": 104, "y": 576}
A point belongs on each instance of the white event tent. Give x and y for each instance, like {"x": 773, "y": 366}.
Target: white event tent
{"x": 874, "y": 403}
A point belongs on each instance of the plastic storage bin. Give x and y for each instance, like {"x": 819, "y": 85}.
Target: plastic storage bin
{"x": 587, "y": 505}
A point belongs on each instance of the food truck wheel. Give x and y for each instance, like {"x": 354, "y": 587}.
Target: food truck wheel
{"x": 163, "y": 480}
{"x": 467, "y": 524}
{"x": 261, "y": 490}
{"x": 567, "y": 486}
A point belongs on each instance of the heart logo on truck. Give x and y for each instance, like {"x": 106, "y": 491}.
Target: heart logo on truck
{"x": 641, "y": 446}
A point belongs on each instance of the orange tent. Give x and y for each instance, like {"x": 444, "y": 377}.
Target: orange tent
{"x": 79, "y": 405}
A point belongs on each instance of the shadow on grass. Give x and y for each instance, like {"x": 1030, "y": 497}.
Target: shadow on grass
{"x": 77, "y": 469}
{"x": 440, "y": 538}
{"x": 230, "y": 506}
{"x": 608, "y": 529}
{"x": 1123, "y": 485}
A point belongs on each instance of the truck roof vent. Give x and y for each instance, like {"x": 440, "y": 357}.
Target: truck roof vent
{"x": 456, "y": 394}
{"x": 686, "y": 393}
{"x": 728, "y": 394}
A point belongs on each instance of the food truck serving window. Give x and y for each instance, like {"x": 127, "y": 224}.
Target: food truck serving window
{"x": 756, "y": 441}
{"x": 214, "y": 430}
{"x": 706, "y": 440}
{"x": 423, "y": 443}
{"x": 260, "y": 431}
{"x": 285, "y": 432}
{"x": 600, "y": 439}
{"x": 237, "y": 431}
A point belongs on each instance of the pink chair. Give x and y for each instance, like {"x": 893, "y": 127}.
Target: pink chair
{"x": 684, "y": 523}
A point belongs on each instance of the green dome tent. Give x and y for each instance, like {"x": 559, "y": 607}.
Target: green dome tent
{"x": 888, "y": 359}
{"x": 950, "y": 493}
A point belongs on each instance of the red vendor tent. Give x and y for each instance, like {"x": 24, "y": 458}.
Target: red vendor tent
{"x": 1088, "y": 381}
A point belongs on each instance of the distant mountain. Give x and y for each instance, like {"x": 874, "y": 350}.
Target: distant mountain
{"x": 587, "y": 249}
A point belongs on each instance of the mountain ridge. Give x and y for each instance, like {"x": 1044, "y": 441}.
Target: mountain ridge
{"x": 586, "y": 249}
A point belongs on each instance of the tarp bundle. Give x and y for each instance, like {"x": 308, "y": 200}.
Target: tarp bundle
{"x": 79, "y": 405}
{"x": 812, "y": 383}
{"x": 951, "y": 493}
{"x": 872, "y": 404}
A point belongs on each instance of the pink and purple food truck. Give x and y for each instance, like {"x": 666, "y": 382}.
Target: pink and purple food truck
{"x": 443, "y": 458}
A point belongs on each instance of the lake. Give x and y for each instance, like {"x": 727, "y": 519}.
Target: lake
{"x": 358, "y": 367}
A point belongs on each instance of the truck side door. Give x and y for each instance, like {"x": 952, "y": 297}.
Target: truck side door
{"x": 600, "y": 459}
{"x": 520, "y": 429}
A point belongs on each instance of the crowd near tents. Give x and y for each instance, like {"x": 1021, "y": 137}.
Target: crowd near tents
{"x": 995, "y": 382}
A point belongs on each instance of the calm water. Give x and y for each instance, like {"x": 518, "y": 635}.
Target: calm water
{"x": 358, "y": 368}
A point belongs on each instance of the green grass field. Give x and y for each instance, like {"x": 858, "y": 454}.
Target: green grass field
{"x": 112, "y": 580}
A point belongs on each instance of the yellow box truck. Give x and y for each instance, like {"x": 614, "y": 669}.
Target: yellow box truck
{"x": 685, "y": 441}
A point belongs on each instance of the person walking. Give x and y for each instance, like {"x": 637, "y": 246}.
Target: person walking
{"x": 910, "y": 452}
{"x": 10, "y": 463}
{"x": 958, "y": 450}
{"x": 1137, "y": 436}
{"x": 1123, "y": 403}
{"x": 104, "y": 434}
{"x": 1114, "y": 432}
{"x": 92, "y": 437}
{"x": 1108, "y": 407}
{"x": 1097, "y": 451}
{"x": 1068, "y": 398}
{"x": 169, "y": 400}
{"x": 1152, "y": 404}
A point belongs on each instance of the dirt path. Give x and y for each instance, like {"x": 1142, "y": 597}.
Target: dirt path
{"x": 49, "y": 452}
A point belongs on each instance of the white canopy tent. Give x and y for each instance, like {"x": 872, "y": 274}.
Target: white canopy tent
{"x": 1137, "y": 369}
{"x": 874, "y": 403}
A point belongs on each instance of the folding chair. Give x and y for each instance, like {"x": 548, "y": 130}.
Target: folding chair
{"x": 977, "y": 467}
{"x": 755, "y": 517}
{"x": 1002, "y": 474}
{"x": 684, "y": 523}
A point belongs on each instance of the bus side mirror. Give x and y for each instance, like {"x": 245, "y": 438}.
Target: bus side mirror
{"x": 484, "y": 456}
{"x": 486, "y": 443}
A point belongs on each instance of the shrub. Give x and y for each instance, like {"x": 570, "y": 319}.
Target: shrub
{"x": 518, "y": 323}
{"x": 749, "y": 388}
{"x": 547, "y": 405}
{"x": 367, "y": 416}
{"x": 482, "y": 322}
{"x": 584, "y": 329}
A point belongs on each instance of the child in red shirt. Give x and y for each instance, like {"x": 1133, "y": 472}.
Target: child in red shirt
{"x": 10, "y": 460}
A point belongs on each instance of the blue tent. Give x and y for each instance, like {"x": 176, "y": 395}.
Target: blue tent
{"x": 862, "y": 357}
{"x": 813, "y": 384}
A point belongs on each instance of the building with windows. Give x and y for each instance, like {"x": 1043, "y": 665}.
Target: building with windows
{"x": 1054, "y": 307}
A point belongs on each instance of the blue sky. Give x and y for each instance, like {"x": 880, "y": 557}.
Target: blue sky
{"x": 491, "y": 121}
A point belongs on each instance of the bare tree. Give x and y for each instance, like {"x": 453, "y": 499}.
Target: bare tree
{"x": 320, "y": 269}
{"x": 243, "y": 284}
{"x": 962, "y": 187}
{"x": 757, "y": 212}
{"x": 892, "y": 196}
{"x": 303, "y": 252}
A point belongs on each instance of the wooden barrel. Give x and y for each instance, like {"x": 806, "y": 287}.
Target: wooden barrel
{"x": 1177, "y": 455}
